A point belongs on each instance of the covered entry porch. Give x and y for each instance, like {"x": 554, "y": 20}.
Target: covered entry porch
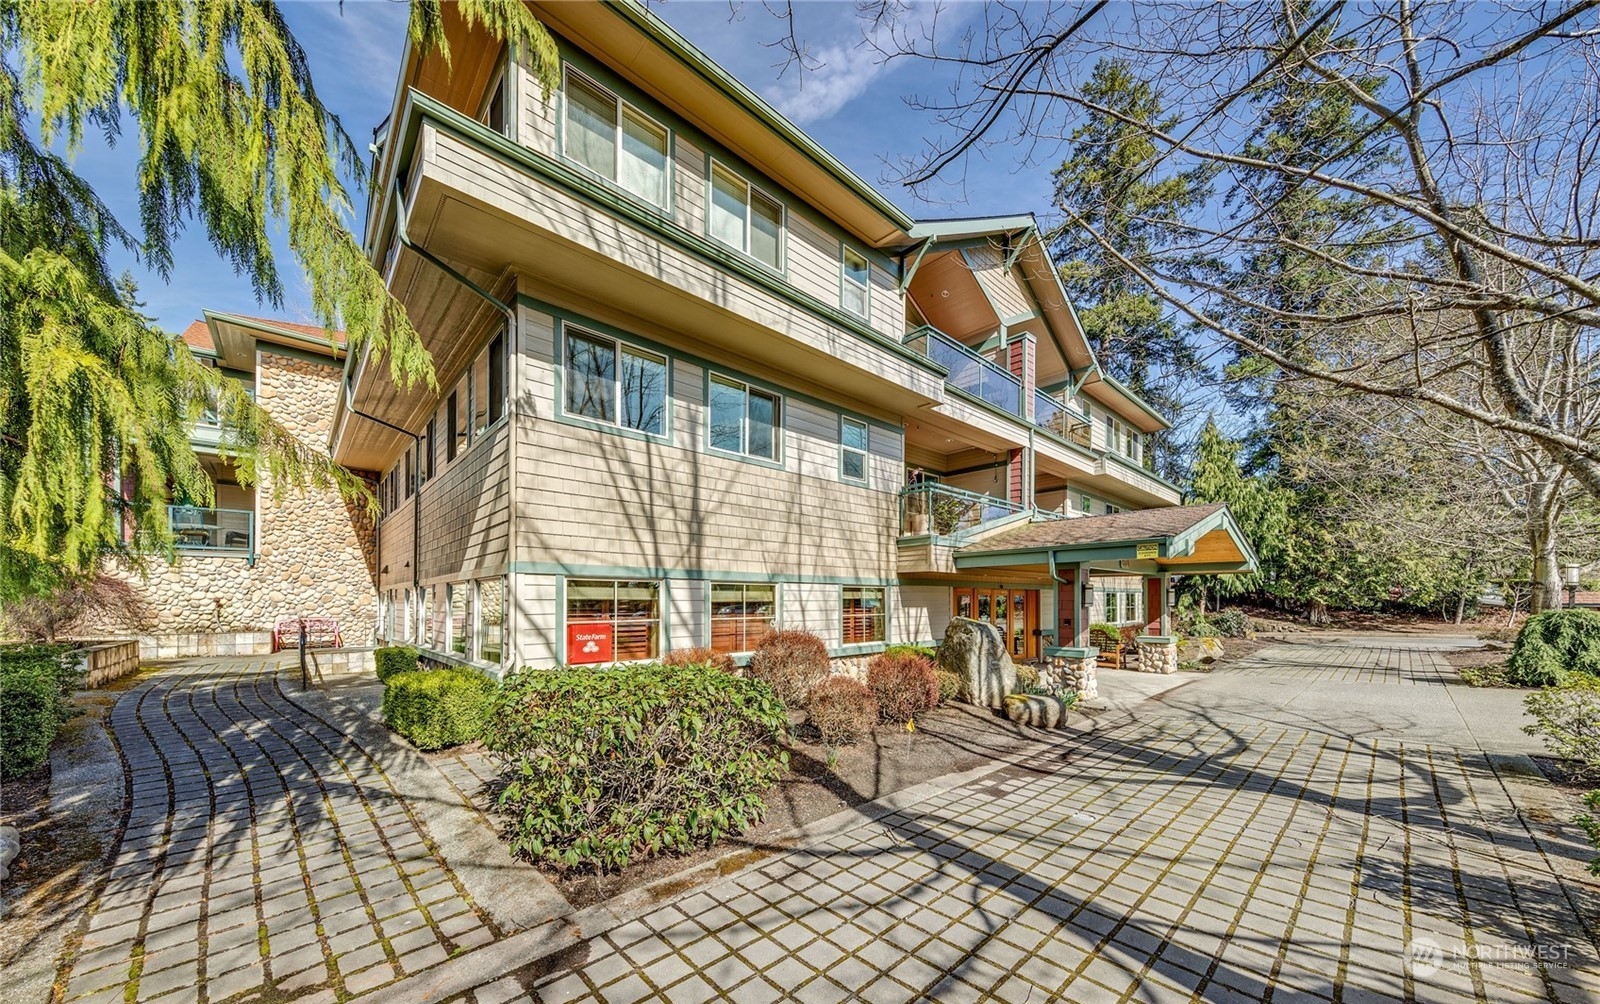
{"x": 1149, "y": 546}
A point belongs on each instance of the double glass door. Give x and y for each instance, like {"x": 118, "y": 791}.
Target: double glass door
{"x": 1014, "y": 611}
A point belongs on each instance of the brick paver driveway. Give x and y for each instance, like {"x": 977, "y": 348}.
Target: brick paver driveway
{"x": 266, "y": 856}
{"x": 1274, "y": 832}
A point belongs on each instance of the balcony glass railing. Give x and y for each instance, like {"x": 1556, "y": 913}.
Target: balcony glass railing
{"x": 942, "y": 511}
{"x": 969, "y": 371}
{"x": 197, "y": 529}
{"x": 1064, "y": 420}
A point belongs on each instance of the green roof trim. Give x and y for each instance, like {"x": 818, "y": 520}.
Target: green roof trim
{"x": 1128, "y": 393}
{"x": 975, "y": 226}
{"x": 668, "y": 38}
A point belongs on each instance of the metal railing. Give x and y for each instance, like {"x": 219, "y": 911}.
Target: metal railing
{"x": 929, "y": 508}
{"x": 197, "y": 529}
{"x": 1064, "y": 420}
{"x": 968, "y": 370}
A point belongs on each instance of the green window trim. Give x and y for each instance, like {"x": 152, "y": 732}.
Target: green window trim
{"x": 848, "y": 453}
{"x": 752, "y": 194}
{"x": 624, "y": 108}
{"x": 749, "y": 393}
{"x": 621, "y": 349}
{"x": 848, "y": 284}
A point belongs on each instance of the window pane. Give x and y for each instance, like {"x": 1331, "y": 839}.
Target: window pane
{"x": 863, "y": 614}
{"x": 458, "y": 618}
{"x": 644, "y": 392}
{"x": 591, "y": 377}
{"x": 854, "y": 288}
{"x": 727, "y": 208}
{"x": 855, "y": 466}
{"x": 854, "y": 299}
{"x": 480, "y": 392}
{"x": 643, "y": 167}
{"x": 497, "y": 377}
{"x": 855, "y": 267}
{"x": 591, "y": 135}
{"x": 763, "y": 425}
{"x": 766, "y": 229}
{"x": 590, "y": 600}
{"x": 853, "y": 434}
{"x": 491, "y": 619}
{"x": 727, "y": 415}
{"x": 495, "y": 115}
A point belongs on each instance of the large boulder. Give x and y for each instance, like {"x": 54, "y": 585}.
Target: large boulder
{"x": 1202, "y": 650}
{"x": 976, "y": 652}
{"x": 1040, "y": 711}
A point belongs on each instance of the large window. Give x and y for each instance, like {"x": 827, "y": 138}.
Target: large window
{"x": 1123, "y": 439}
{"x": 615, "y": 140}
{"x": 852, "y": 449}
{"x": 491, "y": 620}
{"x": 612, "y": 621}
{"x": 743, "y": 419}
{"x": 614, "y": 382}
{"x": 742, "y": 614}
{"x": 863, "y": 611}
{"x": 460, "y": 594}
{"x": 745, "y": 218}
{"x": 853, "y": 287}
{"x": 489, "y": 384}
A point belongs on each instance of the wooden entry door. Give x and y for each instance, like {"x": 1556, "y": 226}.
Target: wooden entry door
{"x": 1014, "y": 611}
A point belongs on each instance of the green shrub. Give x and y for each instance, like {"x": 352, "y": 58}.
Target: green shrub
{"x": 926, "y": 651}
{"x": 842, "y": 710}
{"x": 701, "y": 656}
{"x": 1554, "y": 645}
{"x": 1567, "y": 719}
{"x": 435, "y": 708}
{"x": 30, "y": 717}
{"x": 1203, "y": 629}
{"x": 903, "y": 684}
{"x": 606, "y": 766}
{"x": 1232, "y": 623}
{"x": 791, "y": 663}
{"x": 949, "y": 686}
{"x": 1027, "y": 677}
{"x": 1591, "y": 827}
{"x": 394, "y": 660}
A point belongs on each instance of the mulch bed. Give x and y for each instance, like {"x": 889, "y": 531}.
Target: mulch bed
{"x": 946, "y": 740}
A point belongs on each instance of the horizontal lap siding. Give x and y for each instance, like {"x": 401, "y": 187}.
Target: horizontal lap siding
{"x": 888, "y": 305}
{"x": 590, "y": 497}
{"x": 533, "y": 619}
{"x": 813, "y": 259}
{"x": 1002, "y": 284}
{"x": 813, "y": 607}
{"x": 503, "y": 187}
{"x": 538, "y": 115}
{"x": 689, "y": 185}
{"x": 394, "y": 548}
{"x": 920, "y": 612}
{"x": 466, "y": 513}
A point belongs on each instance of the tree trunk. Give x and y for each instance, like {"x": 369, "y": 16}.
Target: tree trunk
{"x": 1317, "y": 613}
{"x": 1543, "y": 550}
{"x": 1461, "y": 607}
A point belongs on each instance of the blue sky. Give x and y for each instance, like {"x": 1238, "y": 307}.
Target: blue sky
{"x": 851, "y": 103}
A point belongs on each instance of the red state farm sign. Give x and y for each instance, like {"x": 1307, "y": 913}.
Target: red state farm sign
{"x": 590, "y": 643}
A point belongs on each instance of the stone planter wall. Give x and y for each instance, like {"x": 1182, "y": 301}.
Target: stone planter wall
{"x": 108, "y": 661}
{"x": 205, "y": 645}
{"x": 1157, "y": 655}
{"x": 1080, "y": 673}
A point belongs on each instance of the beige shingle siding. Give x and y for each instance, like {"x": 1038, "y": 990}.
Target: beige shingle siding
{"x": 466, "y": 513}
{"x": 920, "y": 612}
{"x": 814, "y": 607}
{"x": 1003, "y": 285}
{"x": 394, "y": 548}
{"x": 689, "y": 185}
{"x": 888, "y": 305}
{"x": 540, "y": 116}
{"x": 534, "y": 619}
{"x": 813, "y": 258}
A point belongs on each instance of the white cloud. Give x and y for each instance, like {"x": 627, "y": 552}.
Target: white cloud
{"x": 840, "y": 72}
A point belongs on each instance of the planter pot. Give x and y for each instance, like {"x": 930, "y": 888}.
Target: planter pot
{"x": 916, "y": 524}
{"x": 1036, "y": 710}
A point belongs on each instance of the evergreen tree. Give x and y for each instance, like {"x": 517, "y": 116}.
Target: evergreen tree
{"x": 1109, "y": 182}
{"x": 95, "y": 400}
{"x": 1261, "y": 510}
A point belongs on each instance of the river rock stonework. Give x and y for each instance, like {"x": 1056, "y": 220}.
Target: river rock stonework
{"x": 314, "y": 552}
{"x": 1157, "y": 655}
{"x": 976, "y": 651}
{"x": 1080, "y": 674}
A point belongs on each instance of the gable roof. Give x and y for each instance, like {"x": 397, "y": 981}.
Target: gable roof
{"x": 1192, "y": 538}
{"x": 1140, "y": 524}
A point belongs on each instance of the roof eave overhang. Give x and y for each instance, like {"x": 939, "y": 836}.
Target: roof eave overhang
{"x": 1170, "y": 550}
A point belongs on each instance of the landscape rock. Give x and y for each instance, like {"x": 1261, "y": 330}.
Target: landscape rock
{"x": 1038, "y": 711}
{"x": 1201, "y": 650}
{"x": 976, "y": 652}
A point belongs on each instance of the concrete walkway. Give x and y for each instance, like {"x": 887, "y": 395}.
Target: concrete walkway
{"x": 268, "y": 853}
{"x": 1319, "y": 824}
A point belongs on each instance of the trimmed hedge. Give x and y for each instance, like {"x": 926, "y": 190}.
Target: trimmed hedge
{"x": 842, "y": 710}
{"x": 394, "y": 660}
{"x": 435, "y": 708}
{"x": 701, "y": 656}
{"x": 607, "y": 766}
{"x": 791, "y": 663}
{"x": 926, "y": 651}
{"x": 1555, "y": 645}
{"x": 903, "y": 684}
{"x": 35, "y": 682}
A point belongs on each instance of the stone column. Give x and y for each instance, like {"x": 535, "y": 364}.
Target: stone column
{"x": 1157, "y": 653}
{"x": 1076, "y": 671}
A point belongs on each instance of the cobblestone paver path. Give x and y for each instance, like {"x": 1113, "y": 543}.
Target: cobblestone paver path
{"x": 266, "y": 857}
{"x": 1176, "y": 857}
{"x": 1351, "y": 664}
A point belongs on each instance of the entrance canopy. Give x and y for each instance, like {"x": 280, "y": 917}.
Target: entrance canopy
{"x": 1187, "y": 540}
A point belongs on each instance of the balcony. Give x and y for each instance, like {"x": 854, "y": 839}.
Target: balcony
{"x": 213, "y": 531}
{"x": 942, "y": 511}
{"x": 1064, "y": 420}
{"x": 969, "y": 371}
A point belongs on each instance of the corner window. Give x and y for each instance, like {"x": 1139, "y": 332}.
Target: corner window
{"x": 615, "y": 383}
{"x": 744, "y": 420}
{"x": 852, "y": 450}
{"x": 612, "y": 621}
{"x": 745, "y": 218}
{"x": 489, "y": 384}
{"x": 615, "y": 140}
{"x": 853, "y": 283}
{"x": 742, "y": 614}
{"x": 863, "y": 613}
{"x": 491, "y": 608}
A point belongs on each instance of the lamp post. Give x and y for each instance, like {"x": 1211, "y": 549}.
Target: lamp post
{"x": 1570, "y": 575}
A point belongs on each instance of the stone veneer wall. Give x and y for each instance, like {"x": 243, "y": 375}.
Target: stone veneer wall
{"x": 314, "y": 553}
{"x": 108, "y": 661}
